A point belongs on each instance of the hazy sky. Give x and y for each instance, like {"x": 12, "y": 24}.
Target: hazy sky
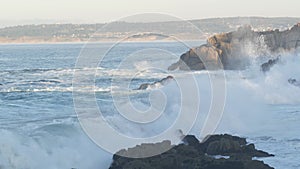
{"x": 84, "y": 11}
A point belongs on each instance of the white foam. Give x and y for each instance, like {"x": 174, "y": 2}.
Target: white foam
{"x": 50, "y": 151}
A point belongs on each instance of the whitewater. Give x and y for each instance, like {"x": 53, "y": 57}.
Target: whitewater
{"x": 39, "y": 127}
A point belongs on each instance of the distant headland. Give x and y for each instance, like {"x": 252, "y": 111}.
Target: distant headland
{"x": 54, "y": 33}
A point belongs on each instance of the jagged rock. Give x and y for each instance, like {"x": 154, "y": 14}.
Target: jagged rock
{"x": 195, "y": 155}
{"x": 231, "y": 50}
{"x": 162, "y": 82}
{"x": 267, "y": 66}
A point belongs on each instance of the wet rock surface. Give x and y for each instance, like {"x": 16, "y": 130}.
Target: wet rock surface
{"x": 215, "y": 152}
{"x": 157, "y": 84}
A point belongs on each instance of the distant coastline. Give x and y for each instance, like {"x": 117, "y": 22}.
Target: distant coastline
{"x": 97, "y": 42}
{"x": 117, "y": 31}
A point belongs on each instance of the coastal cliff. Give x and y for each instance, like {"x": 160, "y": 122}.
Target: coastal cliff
{"x": 233, "y": 50}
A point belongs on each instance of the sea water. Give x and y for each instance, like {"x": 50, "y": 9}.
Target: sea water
{"x": 39, "y": 126}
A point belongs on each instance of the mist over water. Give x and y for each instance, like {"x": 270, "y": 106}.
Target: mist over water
{"x": 39, "y": 127}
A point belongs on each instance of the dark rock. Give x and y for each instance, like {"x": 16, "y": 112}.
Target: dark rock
{"x": 223, "y": 147}
{"x": 231, "y": 50}
{"x": 162, "y": 82}
{"x": 209, "y": 139}
{"x": 148, "y": 150}
{"x": 228, "y": 145}
{"x": 144, "y": 86}
{"x": 267, "y": 66}
{"x": 195, "y": 155}
{"x": 191, "y": 140}
{"x": 294, "y": 82}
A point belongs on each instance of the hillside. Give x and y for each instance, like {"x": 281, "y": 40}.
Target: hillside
{"x": 120, "y": 30}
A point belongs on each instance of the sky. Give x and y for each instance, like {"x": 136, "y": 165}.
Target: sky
{"x": 18, "y": 12}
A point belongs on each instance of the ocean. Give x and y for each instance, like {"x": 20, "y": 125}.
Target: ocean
{"x": 39, "y": 127}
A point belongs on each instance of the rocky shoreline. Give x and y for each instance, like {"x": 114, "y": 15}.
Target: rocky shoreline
{"x": 215, "y": 152}
{"x": 231, "y": 51}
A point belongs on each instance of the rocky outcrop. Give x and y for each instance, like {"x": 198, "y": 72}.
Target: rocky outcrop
{"x": 215, "y": 152}
{"x": 232, "y": 50}
{"x": 157, "y": 84}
